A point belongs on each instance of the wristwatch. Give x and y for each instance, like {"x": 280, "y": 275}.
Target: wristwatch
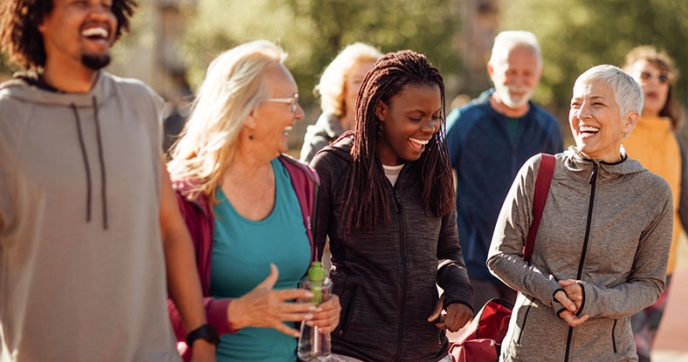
{"x": 206, "y": 332}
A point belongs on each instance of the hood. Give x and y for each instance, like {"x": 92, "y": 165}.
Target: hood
{"x": 19, "y": 88}
{"x": 582, "y": 167}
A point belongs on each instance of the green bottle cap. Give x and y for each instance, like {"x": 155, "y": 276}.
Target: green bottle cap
{"x": 316, "y": 272}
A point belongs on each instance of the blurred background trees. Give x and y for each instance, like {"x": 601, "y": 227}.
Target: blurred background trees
{"x": 314, "y": 31}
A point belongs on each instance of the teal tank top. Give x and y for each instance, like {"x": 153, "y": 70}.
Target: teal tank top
{"x": 242, "y": 252}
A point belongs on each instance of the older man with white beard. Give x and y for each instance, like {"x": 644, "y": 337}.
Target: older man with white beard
{"x": 489, "y": 139}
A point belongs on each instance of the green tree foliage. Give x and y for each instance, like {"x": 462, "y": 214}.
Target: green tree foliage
{"x": 577, "y": 34}
{"x": 313, "y": 31}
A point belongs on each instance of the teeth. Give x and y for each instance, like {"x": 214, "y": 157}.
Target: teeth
{"x": 95, "y": 32}
{"x": 419, "y": 141}
{"x": 286, "y": 131}
{"x": 588, "y": 129}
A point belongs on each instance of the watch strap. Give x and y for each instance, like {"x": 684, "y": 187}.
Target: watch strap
{"x": 206, "y": 332}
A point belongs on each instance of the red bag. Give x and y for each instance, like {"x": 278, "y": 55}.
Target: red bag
{"x": 483, "y": 338}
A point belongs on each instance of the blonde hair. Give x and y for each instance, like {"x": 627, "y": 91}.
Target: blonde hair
{"x": 233, "y": 86}
{"x": 333, "y": 79}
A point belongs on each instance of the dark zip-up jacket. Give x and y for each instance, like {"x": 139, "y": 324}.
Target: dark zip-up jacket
{"x": 486, "y": 161}
{"x": 386, "y": 277}
{"x": 608, "y": 225}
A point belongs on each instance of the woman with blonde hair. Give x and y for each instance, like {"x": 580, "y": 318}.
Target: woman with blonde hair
{"x": 656, "y": 145}
{"x": 338, "y": 89}
{"x": 248, "y": 206}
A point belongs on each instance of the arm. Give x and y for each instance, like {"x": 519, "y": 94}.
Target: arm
{"x": 452, "y": 278}
{"x": 182, "y": 278}
{"x": 505, "y": 257}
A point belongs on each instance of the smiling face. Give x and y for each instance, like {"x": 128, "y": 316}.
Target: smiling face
{"x": 79, "y": 33}
{"x": 409, "y": 120}
{"x": 655, "y": 90}
{"x": 516, "y": 76}
{"x": 272, "y": 121}
{"x": 596, "y": 122}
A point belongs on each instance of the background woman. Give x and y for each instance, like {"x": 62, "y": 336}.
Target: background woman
{"x": 387, "y": 205}
{"x": 338, "y": 88}
{"x": 656, "y": 145}
{"x": 601, "y": 250}
{"x": 248, "y": 207}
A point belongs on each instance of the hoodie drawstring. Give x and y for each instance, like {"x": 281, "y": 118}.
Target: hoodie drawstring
{"x": 101, "y": 160}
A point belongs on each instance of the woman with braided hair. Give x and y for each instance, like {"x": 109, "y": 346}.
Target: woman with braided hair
{"x": 387, "y": 205}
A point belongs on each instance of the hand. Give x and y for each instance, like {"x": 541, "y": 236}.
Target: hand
{"x": 264, "y": 307}
{"x": 572, "y": 319}
{"x": 574, "y": 292}
{"x": 326, "y": 316}
{"x": 203, "y": 351}
{"x": 456, "y": 316}
{"x": 563, "y": 298}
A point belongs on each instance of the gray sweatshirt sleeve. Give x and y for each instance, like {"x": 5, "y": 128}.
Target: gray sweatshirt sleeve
{"x": 505, "y": 257}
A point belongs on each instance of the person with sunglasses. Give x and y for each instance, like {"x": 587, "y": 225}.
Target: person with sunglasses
{"x": 249, "y": 207}
{"x": 656, "y": 145}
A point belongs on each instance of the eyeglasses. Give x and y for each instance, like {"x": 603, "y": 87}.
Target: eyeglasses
{"x": 293, "y": 101}
{"x": 663, "y": 78}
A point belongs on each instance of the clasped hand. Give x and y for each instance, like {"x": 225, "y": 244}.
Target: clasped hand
{"x": 572, "y": 299}
{"x": 265, "y": 307}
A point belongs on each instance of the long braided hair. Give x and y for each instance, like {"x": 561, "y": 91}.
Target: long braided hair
{"x": 365, "y": 183}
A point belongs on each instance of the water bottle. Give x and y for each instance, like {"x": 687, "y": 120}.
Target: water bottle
{"x": 313, "y": 344}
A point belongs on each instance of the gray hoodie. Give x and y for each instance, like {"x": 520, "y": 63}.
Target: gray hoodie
{"x": 82, "y": 270}
{"x": 608, "y": 225}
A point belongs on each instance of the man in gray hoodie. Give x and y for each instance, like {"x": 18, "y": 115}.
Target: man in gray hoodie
{"x": 91, "y": 240}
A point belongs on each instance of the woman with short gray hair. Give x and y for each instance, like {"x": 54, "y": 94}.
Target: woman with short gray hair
{"x": 601, "y": 251}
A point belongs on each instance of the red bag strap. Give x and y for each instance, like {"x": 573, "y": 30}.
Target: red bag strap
{"x": 542, "y": 183}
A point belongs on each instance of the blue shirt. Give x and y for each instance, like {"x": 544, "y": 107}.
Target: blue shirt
{"x": 242, "y": 252}
{"x": 486, "y": 160}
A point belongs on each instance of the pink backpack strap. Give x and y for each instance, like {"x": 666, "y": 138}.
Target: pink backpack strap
{"x": 306, "y": 183}
{"x": 542, "y": 184}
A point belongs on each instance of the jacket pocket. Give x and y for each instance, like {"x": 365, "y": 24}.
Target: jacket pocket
{"x": 614, "y": 335}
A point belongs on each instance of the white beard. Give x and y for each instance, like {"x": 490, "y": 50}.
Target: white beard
{"x": 514, "y": 102}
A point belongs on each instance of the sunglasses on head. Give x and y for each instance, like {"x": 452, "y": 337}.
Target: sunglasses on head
{"x": 663, "y": 78}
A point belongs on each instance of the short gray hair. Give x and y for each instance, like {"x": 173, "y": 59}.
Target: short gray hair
{"x": 509, "y": 39}
{"x": 628, "y": 94}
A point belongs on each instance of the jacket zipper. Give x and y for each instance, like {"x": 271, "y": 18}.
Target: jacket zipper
{"x": 404, "y": 271}
{"x": 593, "y": 185}
{"x": 613, "y": 337}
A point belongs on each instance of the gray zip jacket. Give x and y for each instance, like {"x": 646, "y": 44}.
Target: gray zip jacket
{"x": 608, "y": 225}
